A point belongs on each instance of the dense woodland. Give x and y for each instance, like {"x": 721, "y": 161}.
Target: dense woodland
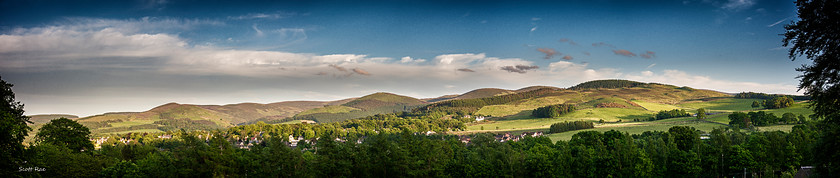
{"x": 553, "y": 111}
{"x": 670, "y": 114}
{"x": 569, "y": 126}
{"x": 678, "y": 152}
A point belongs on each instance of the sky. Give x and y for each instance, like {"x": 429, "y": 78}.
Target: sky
{"x": 91, "y": 57}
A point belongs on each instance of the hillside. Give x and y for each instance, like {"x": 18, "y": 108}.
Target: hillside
{"x": 377, "y": 103}
{"x": 483, "y": 93}
{"x": 44, "y": 118}
{"x": 608, "y": 100}
{"x": 174, "y": 116}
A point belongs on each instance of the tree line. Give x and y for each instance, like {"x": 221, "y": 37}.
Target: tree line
{"x": 761, "y": 118}
{"x": 570, "y": 126}
{"x": 553, "y": 111}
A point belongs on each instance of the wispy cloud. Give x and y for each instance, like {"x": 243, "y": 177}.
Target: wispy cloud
{"x": 259, "y": 32}
{"x": 778, "y": 22}
{"x": 465, "y": 70}
{"x": 599, "y": 44}
{"x": 624, "y": 53}
{"x": 360, "y": 71}
{"x": 567, "y": 57}
{"x": 650, "y": 66}
{"x": 736, "y": 5}
{"x": 534, "y": 29}
{"x": 249, "y": 16}
{"x": 549, "y": 53}
{"x": 566, "y": 40}
{"x": 648, "y": 54}
{"x": 519, "y": 68}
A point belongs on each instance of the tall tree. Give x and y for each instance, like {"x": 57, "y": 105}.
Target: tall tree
{"x": 816, "y": 36}
{"x": 13, "y": 129}
{"x": 65, "y": 132}
{"x": 701, "y": 113}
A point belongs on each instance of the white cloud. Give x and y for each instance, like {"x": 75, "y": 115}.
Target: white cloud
{"x": 736, "y": 5}
{"x": 680, "y": 78}
{"x": 114, "y": 48}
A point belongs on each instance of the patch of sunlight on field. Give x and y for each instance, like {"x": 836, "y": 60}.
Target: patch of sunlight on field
{"x": 512, "y": 109}
{"x": 638, "y": 129}
{"x": 783, "y": 128}
{"x": 609, "y": 114}
{"x": 655, "y": 107}
{"x": 137, "y": 131}
{"x": 131, "y": 123}
{"x": 720, "y": 105}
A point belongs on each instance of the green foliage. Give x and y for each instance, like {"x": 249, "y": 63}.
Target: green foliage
{"x": 13, "y": 129}
{"x": 778, "y": 102}
{"x": 472, "y": 105}
{"x": 671, "y": 114}
{"x": 701, "y": 113}
{"x": 177, "y": 124}
{"x": 753, "y": 95}
{"x": 65, "y": 132}
{"x": 607, "y": 84}
{"x": 756, "y": 104}
{"x": 553, "y": 111}
{"x": 569, "y": 126}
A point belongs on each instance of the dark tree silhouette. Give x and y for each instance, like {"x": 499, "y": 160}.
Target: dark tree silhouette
{"x": 816, "y": 36}
{"x": 13, "y": 129}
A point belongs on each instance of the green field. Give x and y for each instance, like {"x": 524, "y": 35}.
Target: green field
{"x": 639, "y": 128}
{"x": 132, "y": 123}
{"x": 138, "y": 131}
{"x": 511, "y": 109}
{"x": 329, "y": 109}
{"x": 609, "y": 114}
{"x": 656, "y": 107}
{"x": 720, "y": 105}
{"x": 784, "y": 128}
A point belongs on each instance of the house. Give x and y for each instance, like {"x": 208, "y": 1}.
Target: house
{"x": 479, "y": 118}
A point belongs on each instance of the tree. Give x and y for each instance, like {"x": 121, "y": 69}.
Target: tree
{"x": 65, "y": 132}
{"x": 815, "y": 37}
{"x": 13, "y": 129}
{"x": 701, "y": 113}
{"x": 756, "y": 104}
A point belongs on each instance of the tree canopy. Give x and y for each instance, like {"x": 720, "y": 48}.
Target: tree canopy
{"x": 13, "y": 129}
{"x": 67, "y": 133}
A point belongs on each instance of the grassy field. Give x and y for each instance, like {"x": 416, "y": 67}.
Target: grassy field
{"x": 655, "y": 107}
{"x": 609, "y": 114}
{"x": 132, "y": 123}
{"x": 720, "y": 105}
{"x": 524, "y": 120}
{"x": 138, "y": 131}
{"x": 784, "y": 128}
{"x": 296, "y": 122}
{"x": 329, "y": 109}
{"x": 638, "y": 128}
{"x": 512, "y": 109}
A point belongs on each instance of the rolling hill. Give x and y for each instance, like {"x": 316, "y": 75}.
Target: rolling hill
{"x": 175, "y": 116}
{"x": 377, "y": 103}
{"x": 44, "y": 118}
{"x": 601, "y": 100}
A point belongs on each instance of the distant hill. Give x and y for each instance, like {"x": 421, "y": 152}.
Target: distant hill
{"x": 483, "y": 93}
{"x": 176, "y": 116}
{"x": 596, "y": 97}
{"x": 44, "y": 118}
{"x": 381, "y": 99}
{"x": 595, "y": 84}
{"x": 377, "y": 103}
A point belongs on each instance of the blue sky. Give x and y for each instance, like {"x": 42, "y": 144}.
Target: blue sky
{"x": 90, "y": 57}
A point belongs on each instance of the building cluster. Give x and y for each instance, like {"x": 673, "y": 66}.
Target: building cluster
{"x": 507, "y": 137}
